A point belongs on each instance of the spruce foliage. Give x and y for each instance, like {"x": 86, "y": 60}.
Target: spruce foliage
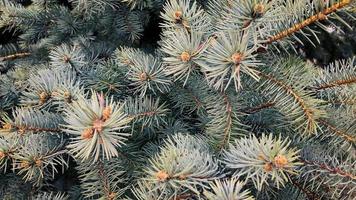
{"x": 175, "y": 99}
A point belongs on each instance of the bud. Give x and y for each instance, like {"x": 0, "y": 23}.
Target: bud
{"x": 87, "y": 133}
{"x": 38, "y": 162}
{"x": 162, "y": 176}
{"x": 178, "y": 15}
{"x": 66, "y": 95}
{"x": 24, "y": 164}
{"x": 7, "y": 126}
{"x": 185, "y": 57}
{"x": 66, "y": 59}
{"x": 259, "y": 9}
{"x": 98, "y": 125}
{"x": 280, "y": 161}
{"x": 106, "y": 113}
{"x": 43, "y": 97}
{"x": 143, "y": 76}
{"x": 267, "y": 167}
{"x": 237, "y": 57}
{"x": 111, "y": 196}
{"x": 2, "y": 155}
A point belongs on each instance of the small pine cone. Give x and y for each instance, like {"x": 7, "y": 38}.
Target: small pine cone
{"x": 280, "y": 161}
{"x": 185, "y": 56}
{"x": 267, "y": 167}
{"x": 87, "y": 133}
{"x": 237, "y": 58}
{"x": 162, "y": 176}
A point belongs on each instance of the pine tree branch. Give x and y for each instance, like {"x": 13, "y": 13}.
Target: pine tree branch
{"x": 258, "y": 108}
{"x": 338, "y": 132}
{"x": 104, "y": 180}
{"x": 227, "y": 129}
{"x": 23, "y": 129}
{"x": 337, "y": 83}
{"x": 344, "y": 102}
{"x": 289, "y": 90}
{"x": 319, "y": 16}
{"x": 14, "y": 56}
{"x": 310, "y": 195}
{"x": 331, "y": 170}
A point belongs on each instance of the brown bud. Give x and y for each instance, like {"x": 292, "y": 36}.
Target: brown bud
{"x": 54, "y": 93}
{"x": 66, "y": 95}
{"x": 43, "y": 97}
{"x": 2, "y": 155}
{"x": 182, "y": 177}
{"x": 178, "y": 15}
{"x": 111, "y": 196}
{"x": 21, "y": 130}
{"x": 24, "y": 164}
{"x": 87, "y": 133}
{"x": 107, "y": 112}
{"x": 7, "y": 126}
{"x": 185, "y": 56}
{"x": 143, "y": 76}
{"x": 237, "y": 57}
{"x": 162, "y": 175}
{"x": 280, "y": 161}
{"x": 259, "y": 8}
{"x": 98, "y": 125}
{"x": 322, "y": 16}
{"x": 267, "y": 167}
{"x": 38, "y": 162}
{"x": 66, "y": 59}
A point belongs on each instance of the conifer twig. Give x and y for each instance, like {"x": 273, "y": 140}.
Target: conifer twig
{"x": 258, "y": 107}
{"x": 337, "y": 83}
{"x": 15, "y": 56}
{"x": 310, "y": 195}
{"x": 344, "y": 135}
{"x": 227, "y": 129}
{"x": 318, "y": 16}
{"x": 332, "y": 170}
{"x": 307, "y": 111}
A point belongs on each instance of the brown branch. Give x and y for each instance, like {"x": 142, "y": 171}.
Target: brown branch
{"x": 319, "y": 16}
{"x": 336, "y": 83}
{"x": 23, "y": 129}
{"x": 144, "y": 114}
{"x": 104, "y": 180}
{"x": 344, "y": 102}
{"x": 15, "y": 56}
{"x": 345, "y": 135}
{"x": 227, "y": 129}
{"x": 308, "y": 112}
{"x": 310, "y": 195}
{"x": 258, "y": 108}
{"x": 331, "y": 170}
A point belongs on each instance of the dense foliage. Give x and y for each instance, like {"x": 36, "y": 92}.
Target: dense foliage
{"x": 175, "y": 99}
